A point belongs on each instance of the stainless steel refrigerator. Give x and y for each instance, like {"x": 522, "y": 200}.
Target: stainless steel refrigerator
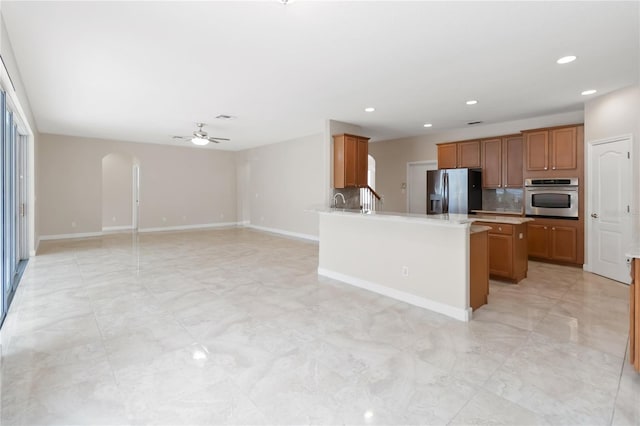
{"x": 454, "y": 191}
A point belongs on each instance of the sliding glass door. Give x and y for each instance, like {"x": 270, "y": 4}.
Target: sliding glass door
{"x": 13, "y": 177}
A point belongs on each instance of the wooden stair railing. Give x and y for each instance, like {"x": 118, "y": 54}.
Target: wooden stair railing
{"x": 369, "y": 199}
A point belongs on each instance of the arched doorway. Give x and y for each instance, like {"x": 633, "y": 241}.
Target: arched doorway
{"x": 371, "y": 171}
{"x": 120, "y": 190}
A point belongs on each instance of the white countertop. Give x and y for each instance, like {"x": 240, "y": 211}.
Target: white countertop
{"x": 441, "y": 219}
{"x": 513, "y": 220}
{"x": 479, "y": 228}
{"x": 633, "y": 251}
{"x": 501, "y": 212}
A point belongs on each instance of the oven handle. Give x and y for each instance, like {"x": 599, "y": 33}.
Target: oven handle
{"x": 555, "y": 189}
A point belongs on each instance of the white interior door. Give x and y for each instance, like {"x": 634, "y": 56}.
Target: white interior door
{"x": 608, "y": 212}
{"x": 417, "y": 185}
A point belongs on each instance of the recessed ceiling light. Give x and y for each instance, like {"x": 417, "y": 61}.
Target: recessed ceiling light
{"x": 589, "y": 92}
{"x": 427, "y": 125}
{"x": 566, "y": 59}
{"x": 370, "y": 109}
{"x": 472, "y": 102}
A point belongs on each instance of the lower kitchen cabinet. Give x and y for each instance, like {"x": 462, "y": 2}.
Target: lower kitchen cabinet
{"x": 478, "y": 269}
{"x": 557, "y": 240}
{"x": 538, "y": 240}
{"x": 634, "y": 315}
{"x": 507, "y": 250}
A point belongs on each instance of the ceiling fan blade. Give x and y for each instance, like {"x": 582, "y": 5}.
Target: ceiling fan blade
{"x": 217, "y": 140}
{"x": 184, "y": 138}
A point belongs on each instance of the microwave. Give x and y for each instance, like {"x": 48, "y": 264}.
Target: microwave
{"x": 554, "y": 197}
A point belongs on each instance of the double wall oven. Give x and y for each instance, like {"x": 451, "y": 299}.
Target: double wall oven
{"x": 555, "y": 197}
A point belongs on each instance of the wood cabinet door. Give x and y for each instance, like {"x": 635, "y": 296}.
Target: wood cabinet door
{"x": 469, "y": 154}
{"x": 512, "y": 166}
{"x": 564, "y": 149}
{"x": 338, "y": 161}
{"x": 537, "y": 150}
{"x": 362, "y": 162}
{"x": 501, "y": 255}
{"x": 538, "y": 240}
{"x": 448, "y": 156}
{"x": 564, "y": 243}
{"x": 492, "y": 163}
{"x": 350, "y": 160}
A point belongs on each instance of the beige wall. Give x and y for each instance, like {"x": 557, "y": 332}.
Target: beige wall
{"x": 117, "y": 191}
{"x": 392, "y": 156}
{"x": 178, "y": 186}
{"x": 285, "y": 180}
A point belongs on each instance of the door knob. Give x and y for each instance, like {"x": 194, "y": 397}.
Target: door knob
{"x": 594, "y": 215}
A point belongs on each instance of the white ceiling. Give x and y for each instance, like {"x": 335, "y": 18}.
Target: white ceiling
{"x": 142, "y": 71}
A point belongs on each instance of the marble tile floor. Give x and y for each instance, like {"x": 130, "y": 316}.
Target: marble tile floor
{"x": 234, "y": 326}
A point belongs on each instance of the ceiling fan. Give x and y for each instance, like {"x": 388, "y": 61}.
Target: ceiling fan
{"x": 200, "y": 137}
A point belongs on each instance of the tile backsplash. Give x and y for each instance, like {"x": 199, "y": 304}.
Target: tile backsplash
{"x": 351, "y": 196}
{"x": 507, "y": 199}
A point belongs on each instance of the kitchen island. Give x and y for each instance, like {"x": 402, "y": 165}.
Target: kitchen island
{"x": 422, "y": 260}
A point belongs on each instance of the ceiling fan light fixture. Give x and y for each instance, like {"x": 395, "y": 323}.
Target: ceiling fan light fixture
{"x": 200, "y": 141}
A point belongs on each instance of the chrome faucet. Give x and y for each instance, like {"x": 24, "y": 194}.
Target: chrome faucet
{"x": 335, "y": 202}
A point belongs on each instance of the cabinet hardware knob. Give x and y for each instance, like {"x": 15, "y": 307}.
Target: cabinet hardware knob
{"x": 506, "y": 186}
{"x": 546, "y": 168}
{"x": 545, "y": 227}
{"x": 594, "y": 215}
{"x": 499, "y": 228}
{"x": 553, "y": 168}
{"x": 553, "y": 229}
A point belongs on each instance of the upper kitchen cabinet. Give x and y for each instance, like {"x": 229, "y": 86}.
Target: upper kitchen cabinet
{"x": 554, "y": 151}
{"x": 459, "y": 155}
{"x": 469, "y": 154}
{"x": 350, "y": 158}
{"x": 448, "y": 156}
{"x": 502, "y": 162}
{"x": 512, "y": 161}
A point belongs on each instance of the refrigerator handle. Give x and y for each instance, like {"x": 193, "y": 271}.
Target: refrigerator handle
{"x": 445, "y": 195}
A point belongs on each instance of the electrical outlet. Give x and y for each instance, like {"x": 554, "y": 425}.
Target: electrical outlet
{"x": 113, "y": 219}
{"x": 73, "y": 224}
{"x": 164, "y": 219}
{"x": 405, "y": 271}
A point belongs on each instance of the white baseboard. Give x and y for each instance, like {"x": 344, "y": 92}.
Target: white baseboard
{"x": 117, "y": 228}
{"x": 283, "y": 232}
{"x": 188, "y": 227}
{"x": 441, "y": 308}
{"x": 109, "y": 230}
{"x": 244, "y": 223}
{"x": 68, "y": 236}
